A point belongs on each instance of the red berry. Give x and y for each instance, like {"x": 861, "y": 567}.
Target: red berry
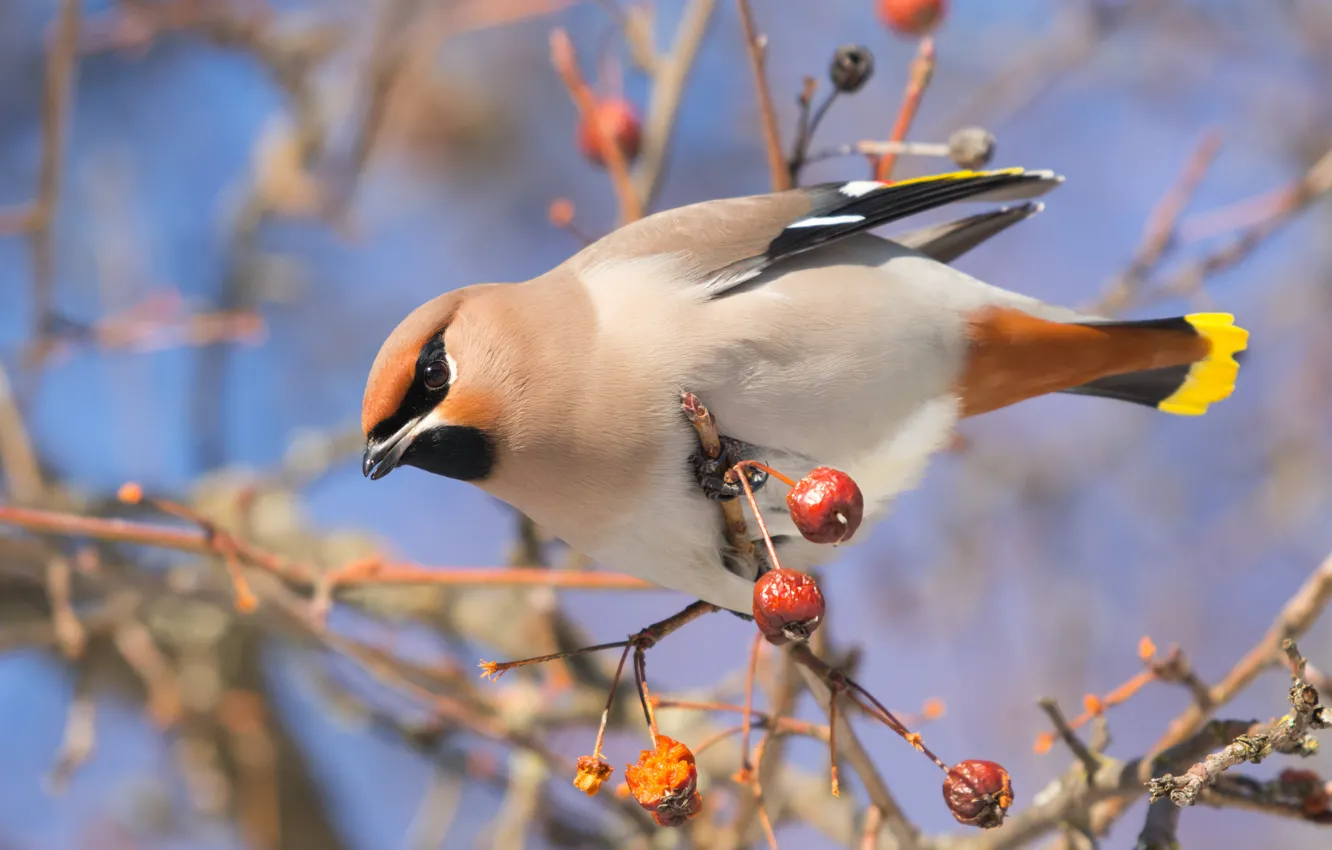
{"x": 788, "y": 605}
{"x": 620, "y": 120}
{"x": 826, "y": 506}
{"x": 665, "y": 782}
{"x": 912, "y": 17}
{"x": 978, "y": 793}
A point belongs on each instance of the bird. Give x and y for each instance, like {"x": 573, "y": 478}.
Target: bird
{"x": 813, "y": 341}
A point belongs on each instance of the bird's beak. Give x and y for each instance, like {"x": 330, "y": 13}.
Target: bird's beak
{"x": 383, "y": 457}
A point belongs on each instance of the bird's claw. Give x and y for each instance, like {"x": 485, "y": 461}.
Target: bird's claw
{"x": 711, "y": 473}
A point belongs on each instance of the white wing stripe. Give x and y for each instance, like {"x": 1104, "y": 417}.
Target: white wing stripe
{"x": 826, "y": 221}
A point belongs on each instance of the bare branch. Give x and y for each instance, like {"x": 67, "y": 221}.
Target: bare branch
{"x": 756, "y": 46}
{"x": 918, "y": 79}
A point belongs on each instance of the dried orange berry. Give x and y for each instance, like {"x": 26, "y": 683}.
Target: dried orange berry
{"x": 592, "y": 771}
{"x": 978, "y": 793}
{"x": 665, "y": 782}
{"x": 131, "y": 493}
{"x": 1093, "y": 704}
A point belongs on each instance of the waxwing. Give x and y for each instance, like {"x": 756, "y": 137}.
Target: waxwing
{"x": 813, "y": 343}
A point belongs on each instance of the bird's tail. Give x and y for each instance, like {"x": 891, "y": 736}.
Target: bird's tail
{"x": 1185, "y": 389}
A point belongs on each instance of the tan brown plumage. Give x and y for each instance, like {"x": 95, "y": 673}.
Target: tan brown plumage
{"x": 813, "y": 343}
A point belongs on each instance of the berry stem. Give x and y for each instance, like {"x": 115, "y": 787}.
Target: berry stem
{"x": 640, "y": 675}
{"x": 644, "y": 639}
{"x": 832, "y": 743}
{"x": 754, "y": 464}
{"x": 758, "y": 516}
{"x": 610, "y": 701}
{"x": 839, "y": 682}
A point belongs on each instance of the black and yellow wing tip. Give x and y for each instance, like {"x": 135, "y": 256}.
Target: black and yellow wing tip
{"x": 1211, "y": 379}
{"x": 859, "y": 188}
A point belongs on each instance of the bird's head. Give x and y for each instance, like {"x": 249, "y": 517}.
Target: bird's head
{"x": 432, "y": 399}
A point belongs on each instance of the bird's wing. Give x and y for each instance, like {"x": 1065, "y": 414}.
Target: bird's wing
{"x": 946, "y": 242}
{"x": 720, "y": 244}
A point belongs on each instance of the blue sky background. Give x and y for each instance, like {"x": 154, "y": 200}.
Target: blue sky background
{"x": 1028, "y": 566}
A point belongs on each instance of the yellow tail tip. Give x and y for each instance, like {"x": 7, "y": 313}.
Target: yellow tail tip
{"x": 1212, "y": 378}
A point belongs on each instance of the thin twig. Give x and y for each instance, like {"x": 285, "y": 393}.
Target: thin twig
{"x": 748, "y": 712}
{"x": 644, "y": 639}
{"x": 80, "y": 736}
{"x": 1070, "y": 738}
{"x": 1294, "y": 619}
{"x": 918, "y": 79}
{"x": 756, "y": 47}
{"x": 877, "y": 149}
{"x": 383, "y": 69}
{"x": 869, "y": 833}
{"x": 301, "y": 573}
{"x": 136, "y": 645}
{"x": 70, "y": 633}
{"x": 1159, "y": 233}
{"x": 61, "y": 76}
{"x": 18, "y": 461}
{"x": 565, "y": 61}
{"x": 818, "y": 678}
{"x": 1286, "y": 735}
{"x": 1315, "y": 184}
{"x": 669, "y": 77}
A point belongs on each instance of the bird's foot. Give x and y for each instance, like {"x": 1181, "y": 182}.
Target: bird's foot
{"x": 711, "y": 473}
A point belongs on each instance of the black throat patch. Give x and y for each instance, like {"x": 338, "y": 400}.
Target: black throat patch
{"x": 454, "y": 451}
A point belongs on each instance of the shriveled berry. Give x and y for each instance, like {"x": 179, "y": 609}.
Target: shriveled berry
{"x": 592, "y": 771}
{"x": 978, "y": 793}
{"x": 788, "y": 605}
{"x": 851, "y": 68}
{"x": 826, "y": 506}
{"x": 971, "y": 147}
{"x": 620, "y": 120}
{"x": 665, "y": 782}
{"x": 912, "y": 17}
{"x": 1308, "y": 787}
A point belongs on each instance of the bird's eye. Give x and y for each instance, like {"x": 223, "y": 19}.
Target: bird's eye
{"x": 436, "y": 375}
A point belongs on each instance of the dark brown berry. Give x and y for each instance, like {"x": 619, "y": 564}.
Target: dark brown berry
{"x": 826, "y": 506}
{"x": 1308, "y": 787}
{"x": 978, "y": 793}
{"x": 912, "y": 17}
{"x": 851, "y": 68}
{"x": 620, "y": 120}
{"x": 665, "y": 782}
{"x": 788, "y": 605}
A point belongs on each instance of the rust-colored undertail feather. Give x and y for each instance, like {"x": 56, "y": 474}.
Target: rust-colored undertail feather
{"x": 1178, "y": 365}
